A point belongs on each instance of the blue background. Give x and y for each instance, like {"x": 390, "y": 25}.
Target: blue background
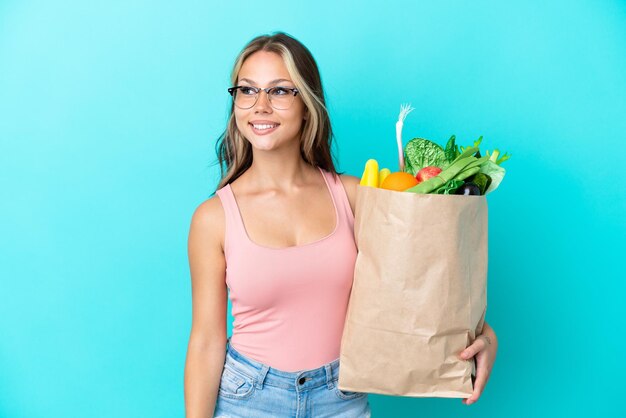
{"x": 109, "y": 113}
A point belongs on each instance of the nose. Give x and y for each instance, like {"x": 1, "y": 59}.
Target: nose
{"x": 263, "y": 102}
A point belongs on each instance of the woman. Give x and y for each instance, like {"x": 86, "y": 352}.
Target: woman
{"x": 279, "y": 236}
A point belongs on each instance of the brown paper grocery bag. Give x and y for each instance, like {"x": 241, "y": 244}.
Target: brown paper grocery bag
{"x": 419, "y": 293}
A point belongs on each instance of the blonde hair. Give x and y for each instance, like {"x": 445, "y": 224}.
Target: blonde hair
{"x": 234, "y": 152}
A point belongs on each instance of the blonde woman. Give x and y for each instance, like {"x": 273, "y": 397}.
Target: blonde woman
{"x": 278, "y": 240}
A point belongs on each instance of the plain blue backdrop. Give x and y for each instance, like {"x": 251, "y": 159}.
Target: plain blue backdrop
{"x": 109, "y": 112}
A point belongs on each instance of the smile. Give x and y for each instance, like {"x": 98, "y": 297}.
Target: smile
{"x": 263, "y": 128}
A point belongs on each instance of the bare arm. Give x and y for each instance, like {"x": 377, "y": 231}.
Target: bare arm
{"x": 350, "y": 183}
{"x": 206, "y": 350}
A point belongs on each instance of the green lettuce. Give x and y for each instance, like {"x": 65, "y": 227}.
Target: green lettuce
{"x": 420, "y": 153}
{"x": 494, "y": 171}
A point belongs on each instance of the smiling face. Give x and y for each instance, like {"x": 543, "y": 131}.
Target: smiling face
{"x": 263, "y": 126}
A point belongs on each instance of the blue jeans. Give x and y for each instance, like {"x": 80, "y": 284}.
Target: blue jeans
{"x": 251, "y": 389}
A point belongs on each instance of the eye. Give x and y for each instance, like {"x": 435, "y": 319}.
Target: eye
{"x": 280, "y": 91}
{"x": 248, "y": 91}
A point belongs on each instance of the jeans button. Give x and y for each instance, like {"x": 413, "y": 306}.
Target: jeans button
{"x": 302, "y": 380}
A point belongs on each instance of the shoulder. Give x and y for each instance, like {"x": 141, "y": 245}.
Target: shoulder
{"x": 208, "y": 222}
{"x": 209, "y": 213}
{"x": 350, "y": 184}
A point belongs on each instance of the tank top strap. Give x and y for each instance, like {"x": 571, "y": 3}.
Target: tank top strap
{"x": 340, "y": 197}
{"x": 234, "y": 231}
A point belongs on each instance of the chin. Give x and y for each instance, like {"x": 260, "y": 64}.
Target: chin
{"x": 264, "y": 144}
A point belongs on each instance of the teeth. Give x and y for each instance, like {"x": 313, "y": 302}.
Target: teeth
{"x": 261, "y": 127}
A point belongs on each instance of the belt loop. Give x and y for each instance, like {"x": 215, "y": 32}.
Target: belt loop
{"x": 329, "y": 376}
{"x": 261, "y": 376}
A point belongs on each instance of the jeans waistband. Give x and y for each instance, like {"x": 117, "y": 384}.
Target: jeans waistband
{"x": 265, "y": 375}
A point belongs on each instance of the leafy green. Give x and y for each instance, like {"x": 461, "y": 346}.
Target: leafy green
{"x": 420, "y": 153}
{"x": 408, "y": 167}
{"x": 452, "y": 150}
{"x": 494, "y": 171}
{"x": 457, "y": 163}
{"x": 449, "y": 187}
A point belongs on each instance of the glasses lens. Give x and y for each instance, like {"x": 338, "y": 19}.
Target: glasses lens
{"x": 281, "y": 98}
{"x": 245, "y": 97}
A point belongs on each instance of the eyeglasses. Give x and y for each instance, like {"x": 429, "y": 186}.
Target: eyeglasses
{"x": 280, "y": 98}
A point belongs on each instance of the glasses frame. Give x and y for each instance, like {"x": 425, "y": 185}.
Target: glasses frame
{"x": 233, "y": 90}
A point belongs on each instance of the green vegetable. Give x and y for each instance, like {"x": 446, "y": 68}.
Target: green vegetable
{"x": 476, "y": 144}
{"x": 408, "y": 168}
{"x": 494, "y": 171}
{"x": 468, "y": 152}
{"x": 470, "y": 170}
{"x": 482, "y": 180}
{"x": 479, "y": 161}
{"x": 420, "y": 153}
{"x": 467, "y": 172}
{"x": 452, "y": 150}
{"x": 446, "y": 175}
{"x": 458, "y": 164}
{"x": 450, "y": 187}
{"x": 496, "y": 154}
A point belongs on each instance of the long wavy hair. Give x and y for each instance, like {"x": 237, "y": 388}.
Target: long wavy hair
{"x": 234, "y": 152}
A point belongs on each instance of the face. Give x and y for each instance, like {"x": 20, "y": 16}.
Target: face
{"x": 263, "y": 126}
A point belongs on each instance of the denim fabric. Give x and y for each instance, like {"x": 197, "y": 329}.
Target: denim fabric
{"x": 251, "y": 389}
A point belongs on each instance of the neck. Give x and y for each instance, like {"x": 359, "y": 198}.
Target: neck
{"x": 283, "y": 169}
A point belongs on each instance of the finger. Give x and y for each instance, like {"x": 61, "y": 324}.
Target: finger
{"x": 482, "y": 375}
{"x": 478, "y": 345}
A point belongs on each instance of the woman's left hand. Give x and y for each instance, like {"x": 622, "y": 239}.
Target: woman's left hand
{"x": 484, "y": 348}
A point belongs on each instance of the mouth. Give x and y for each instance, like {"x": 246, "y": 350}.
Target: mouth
{"x": 263, "y": 128}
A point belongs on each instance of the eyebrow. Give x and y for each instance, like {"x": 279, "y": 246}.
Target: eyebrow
{"x": 278, "y": 80}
